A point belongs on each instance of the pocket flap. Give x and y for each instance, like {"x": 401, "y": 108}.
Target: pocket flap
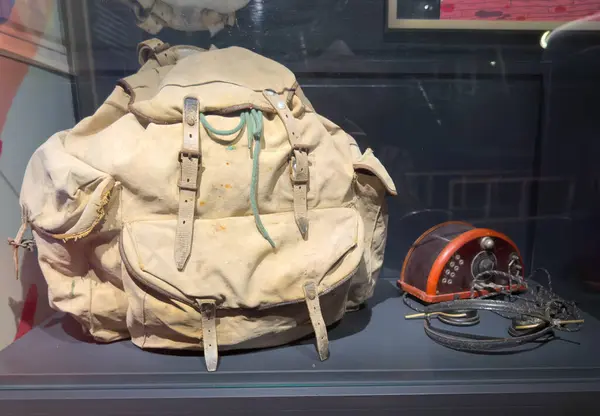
{"x": 62, "y": 195}
{"x": 370, "y": 163}
{"x": 233, "y": 264}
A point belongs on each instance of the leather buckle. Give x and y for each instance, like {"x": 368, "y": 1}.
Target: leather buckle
{"x": 190, "y": 154}
{"x": 294, "y": 172}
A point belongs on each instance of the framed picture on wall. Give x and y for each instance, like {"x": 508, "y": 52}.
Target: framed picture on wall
{"x": 528, "y": 15}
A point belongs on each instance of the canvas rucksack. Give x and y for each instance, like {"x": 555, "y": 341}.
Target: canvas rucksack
{"x": 206, "y": 206}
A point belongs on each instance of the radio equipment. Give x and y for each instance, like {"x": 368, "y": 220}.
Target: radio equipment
{"x": 455, "y": 260}
{"x": 459, "y": 270}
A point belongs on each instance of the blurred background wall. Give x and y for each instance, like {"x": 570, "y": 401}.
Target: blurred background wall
{"x": 35, "y": 102}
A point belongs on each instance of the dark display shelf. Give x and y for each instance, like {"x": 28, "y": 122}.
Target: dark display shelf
{"x": 379, "y": 363}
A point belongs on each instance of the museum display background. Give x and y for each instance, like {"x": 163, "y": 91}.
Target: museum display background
{"x": 463, "y": 122}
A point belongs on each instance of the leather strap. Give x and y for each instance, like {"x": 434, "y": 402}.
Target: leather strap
{"x": 299, "y": 170}
{"x": 299, "y": 175}
{"x": 208, "y": 311}
{"x": 479, "y": 343}
{"x": 149, "y": 48}
{"x": 17, "y": 243}
{"x": 189, "y": 158}
{"x": 484, "y": 304}
{"x": 316, "y": 318}
{"x": 154, "y": 51}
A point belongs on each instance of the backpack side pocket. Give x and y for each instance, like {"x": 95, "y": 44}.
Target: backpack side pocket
{"x": 372, "y": 184}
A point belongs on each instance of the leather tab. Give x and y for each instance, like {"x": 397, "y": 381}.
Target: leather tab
{"x": 208, "y": 311}
{"x": 189, "y": 158}
{"x": 149, "y": 48}
{"x": 316, "y": 318}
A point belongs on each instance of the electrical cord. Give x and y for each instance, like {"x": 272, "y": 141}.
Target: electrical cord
{"x": 541, "y": 305}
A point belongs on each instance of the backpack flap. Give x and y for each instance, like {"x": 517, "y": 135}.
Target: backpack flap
{"x": 230, "y": 79}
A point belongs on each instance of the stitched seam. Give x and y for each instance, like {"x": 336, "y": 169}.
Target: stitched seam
{"x": 101, "y": 213}
{"x": 371, "y": 242}
{"x": 118, "y": 107}
{"x": 200, "y": 84}
{"x": 144, "y": 319}
{"x": 90, "y": 315}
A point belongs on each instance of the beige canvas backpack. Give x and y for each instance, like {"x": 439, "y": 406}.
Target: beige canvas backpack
{"x": 206, "y": 206}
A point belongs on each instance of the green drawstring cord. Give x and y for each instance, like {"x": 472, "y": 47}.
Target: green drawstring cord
{"x": 210, "y": 128}
{"x": 253, "y": 120}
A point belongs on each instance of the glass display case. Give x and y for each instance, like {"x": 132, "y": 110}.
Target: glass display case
{"x": 385, "y": 280}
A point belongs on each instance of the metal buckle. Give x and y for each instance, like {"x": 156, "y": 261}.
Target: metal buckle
{"x": 190, "y": 154}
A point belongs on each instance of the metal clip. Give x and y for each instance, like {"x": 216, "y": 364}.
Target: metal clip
{"x": 28, "y": 244}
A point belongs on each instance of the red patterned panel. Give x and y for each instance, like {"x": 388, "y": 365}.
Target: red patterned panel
{"x": 530, "y": 10}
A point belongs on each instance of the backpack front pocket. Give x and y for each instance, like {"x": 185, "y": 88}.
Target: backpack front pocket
{"x": 233, "y": 265}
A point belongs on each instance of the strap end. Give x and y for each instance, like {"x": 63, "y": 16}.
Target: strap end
{"x": 181, "y": 259}
{"x": 311, "y": 296}
{"x": 303, "y": 227}
{"x": 208, "y": 311}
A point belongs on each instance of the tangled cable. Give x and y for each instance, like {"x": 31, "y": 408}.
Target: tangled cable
{"x": 540, "y": 308}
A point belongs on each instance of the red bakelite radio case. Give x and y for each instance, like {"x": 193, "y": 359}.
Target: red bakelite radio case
{"x": 441, "y": 264}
